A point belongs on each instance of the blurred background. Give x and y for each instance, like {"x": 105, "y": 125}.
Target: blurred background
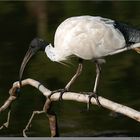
{"x": 20, "y": 22}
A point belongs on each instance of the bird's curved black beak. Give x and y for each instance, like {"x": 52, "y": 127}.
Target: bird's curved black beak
{"x": 36, "y": 45}
{"x": 26, "y": 59}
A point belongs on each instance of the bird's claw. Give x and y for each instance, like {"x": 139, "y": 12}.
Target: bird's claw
{"x": 92, "y": 94}
{"x": 62, "y": 91}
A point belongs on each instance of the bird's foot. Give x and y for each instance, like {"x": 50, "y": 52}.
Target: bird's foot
{"x": 62, "y": 91}
{"x": 92, "y": 94}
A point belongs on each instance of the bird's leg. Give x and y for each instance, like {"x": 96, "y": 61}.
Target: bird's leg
{"x": 67, "y": 87}
{"x": 94, "y": 93}
{"x": 78, "y": 72}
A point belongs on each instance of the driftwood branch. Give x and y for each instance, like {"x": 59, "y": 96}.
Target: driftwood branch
{"x": 127, "y": 111}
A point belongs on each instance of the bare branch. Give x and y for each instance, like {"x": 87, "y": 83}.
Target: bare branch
{"x": 6, "y": 124}
{"x": 127, "y": 111}
{"x": 51, "y": 116}
{"x": 7, "y": 103}
{"x": 30, "y": 121}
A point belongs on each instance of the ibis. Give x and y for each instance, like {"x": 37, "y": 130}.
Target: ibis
{"x": 87, "y": 38}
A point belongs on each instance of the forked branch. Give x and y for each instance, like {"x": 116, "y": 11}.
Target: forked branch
{"x": 119, "y": 108}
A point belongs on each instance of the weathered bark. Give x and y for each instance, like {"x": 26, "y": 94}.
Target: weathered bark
{"x": 119, "y": 108}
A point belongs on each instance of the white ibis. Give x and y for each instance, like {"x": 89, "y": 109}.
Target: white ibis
{"x": 87, "y": 38}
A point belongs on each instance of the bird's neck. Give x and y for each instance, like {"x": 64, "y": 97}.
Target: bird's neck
{"x": 130, "y": 34}
{"x": 54, "y": 54}
{"x": 50, "y": 52}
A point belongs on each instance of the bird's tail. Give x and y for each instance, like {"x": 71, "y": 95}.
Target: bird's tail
{"x": 137, "y": 50}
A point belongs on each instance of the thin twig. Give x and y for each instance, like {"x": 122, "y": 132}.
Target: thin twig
{"x": 51, "y": 117}
{"x": 6, "y": 124}
{"x": 30, "y": 121}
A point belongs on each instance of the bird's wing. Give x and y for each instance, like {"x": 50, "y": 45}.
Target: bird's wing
{"x": 97, "y": 38}
{"x": 131, "y": 34}
{"x": 87, "y": 37}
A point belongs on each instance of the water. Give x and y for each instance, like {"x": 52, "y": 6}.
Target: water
{"x": 120, "y": 75}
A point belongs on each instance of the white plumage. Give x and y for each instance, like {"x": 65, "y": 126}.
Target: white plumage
{"x": 86, "y": 37}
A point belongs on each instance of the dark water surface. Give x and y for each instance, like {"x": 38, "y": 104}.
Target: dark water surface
{"x": 120, "y": 80}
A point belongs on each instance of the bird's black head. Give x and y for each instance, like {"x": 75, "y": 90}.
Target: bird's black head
{"x": 36, "y": 45}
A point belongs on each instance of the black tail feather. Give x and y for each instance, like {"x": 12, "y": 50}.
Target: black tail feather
{"x": 131, "y": 35}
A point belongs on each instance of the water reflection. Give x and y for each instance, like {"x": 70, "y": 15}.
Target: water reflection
{"x": 120, "y": 76}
